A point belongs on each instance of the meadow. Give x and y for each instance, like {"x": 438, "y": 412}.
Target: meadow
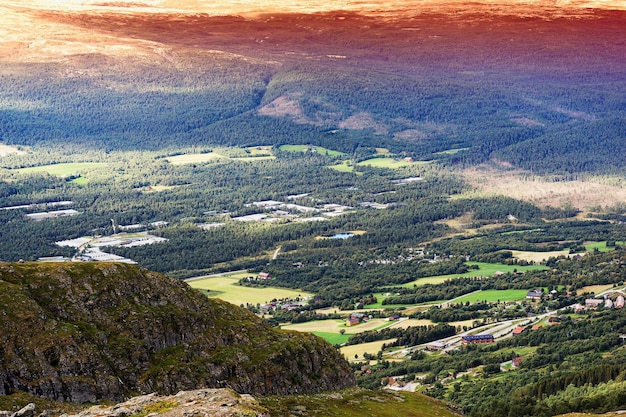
{"x": 601, "y": 246}
{"x": 227, "y": 288}
{"x": 384, "y": 162}
{"x": 493, "y": 296}
{"x": 356, "y": 352}
{"x": 62, "y": 170}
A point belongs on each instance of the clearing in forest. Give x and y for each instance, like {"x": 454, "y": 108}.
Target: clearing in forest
{"x": 62, "y": 170}
{"x": 228, "y": 289}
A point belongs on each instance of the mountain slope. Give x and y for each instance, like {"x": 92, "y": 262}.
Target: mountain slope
{"x": 86, "y": 332}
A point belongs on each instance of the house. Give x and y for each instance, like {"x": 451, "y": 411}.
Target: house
{"x": 352, "y": 321}
{"x": 264, "y": 275}
{"x": 619, "y": 301}
{"x": 516, "y": 362}
{"x": 394, "y": 317}
{"x": 608, "y": 303}
{"x": 594, "y": 302}
{"x": 518, "y": 330}
{"x": 536, "y": 327}
{"x": 534, "y": 295}
{"x": 477, "y": 339}
{"x": 554, "y": 320}
{"x": 435, "y": 346}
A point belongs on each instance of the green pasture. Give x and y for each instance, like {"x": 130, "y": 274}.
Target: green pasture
{"x": 484, "y": 269}
{"x": 601, "y": 246}
{"x": 493, "y": 295}
{"x": 304, "y": 148}
{"x": 345, "y": 166}
{"x": 333, "y": 338}
{"x": 227, "y": 288}
{"x": 80, "y": 181}
{"x": 62, "y": 170}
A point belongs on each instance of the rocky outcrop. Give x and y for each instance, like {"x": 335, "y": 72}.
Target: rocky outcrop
{"x": 92, "y": 331}
{"x": 198, "y": 403}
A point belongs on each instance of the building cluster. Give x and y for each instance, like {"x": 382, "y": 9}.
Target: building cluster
{"x": 614, "y": 300}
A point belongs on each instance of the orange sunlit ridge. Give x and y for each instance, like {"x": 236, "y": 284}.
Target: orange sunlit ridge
{"x": 372, "y": 7}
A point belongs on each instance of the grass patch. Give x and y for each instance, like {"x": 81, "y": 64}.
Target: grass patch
{"x": 80, "y": 181}
{"x": 601, "y": 246}
{"x": 345, "y": 166}
{"x": 62, "y": 170}
{"x": 493, "y": 296}
{"x": 357, "y": 402}
{"x": 334, "y": 326}
{"x": 308, "y": 148}
{"x": 228, "y": 289}
{"x": 484, "y": 269}
{"x": 390, "y": 163}
{"x": 157, "y": 408}
{"x": 355, "y": 352}
{"x": 333, "y": 338}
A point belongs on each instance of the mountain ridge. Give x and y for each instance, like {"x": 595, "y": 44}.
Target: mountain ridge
{"x": 89, "y": 332}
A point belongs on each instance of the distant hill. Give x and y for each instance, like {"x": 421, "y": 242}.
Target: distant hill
{"x": 540, "y": 88}
{"x": 94, "y": 331}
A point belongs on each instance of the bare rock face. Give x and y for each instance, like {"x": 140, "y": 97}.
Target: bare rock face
{"x": 94, "y": 331}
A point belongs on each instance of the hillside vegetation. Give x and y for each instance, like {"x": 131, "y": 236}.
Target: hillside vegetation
{"x": 88, "y": 332}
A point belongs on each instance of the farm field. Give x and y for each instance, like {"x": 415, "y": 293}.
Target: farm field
{"x": 334, "y": 326}
{"x": 304, "y": 148}
{"x": 333, "y": 338}
{"x": 538, "y": 256}
{"x": 484, "y": 269}
{"x": 596, "y": 289}
{"x": 403, "y": 324}
{"x": 386, "y": 163}
{"x": 61, "y": 170}
{"x": 493, "y": 296}
{"x": 355, "y": 352}
{"x": 226, "y": 288}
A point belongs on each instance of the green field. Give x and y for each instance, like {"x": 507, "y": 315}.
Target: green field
{"x": 601, "y": 246}
{"x": 62, "y": 170}
{"x": 484, "y": 269}
{"x": 345, "y": 166}
{"x": 304, "y": 148}
{"x": 386, "y": 163}
{"x": 493, "y": 296}
{"x": 333, "y": 338}
{"x": 80, "y": 181}
{"x": 227, "y": 288}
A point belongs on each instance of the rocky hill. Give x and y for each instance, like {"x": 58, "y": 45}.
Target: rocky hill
{"x": 93, "y": 331}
